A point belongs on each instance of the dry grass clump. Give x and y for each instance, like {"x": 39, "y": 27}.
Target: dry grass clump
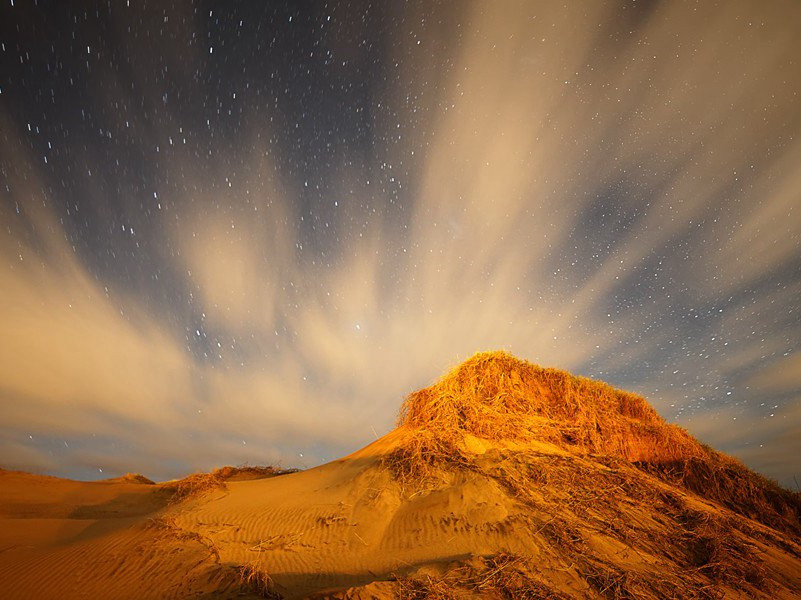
{"x": 717, "y": 551}
{"x": 508, "y": 576}
{"x": 500, "y": 576}
{"x": 250, "y": 472}
{"x": 193, "y": 486}
{"x": 421, "y": 457}
{"x": 258, "y": 582}
{"x": 496, "y": 396}
{"x": 609, "y": 581}
{"x": 137, "y": 478}
{"x": 201, "y": 483}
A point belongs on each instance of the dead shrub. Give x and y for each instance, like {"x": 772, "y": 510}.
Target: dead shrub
{"x": 258, "y": 582}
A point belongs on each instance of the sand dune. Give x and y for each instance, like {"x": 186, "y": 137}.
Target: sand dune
{"x": 68, "y": 539}
{"x": 574, "y": 490}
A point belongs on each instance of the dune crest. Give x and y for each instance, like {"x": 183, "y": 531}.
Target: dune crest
{"x": 502, "y": 480}
{"x": 498, "y": 398}
{"x": 495, "y": 396}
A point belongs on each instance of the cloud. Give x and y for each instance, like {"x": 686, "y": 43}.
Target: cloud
{"x": 765, "y": 443}
{"x": 584, "y": 186}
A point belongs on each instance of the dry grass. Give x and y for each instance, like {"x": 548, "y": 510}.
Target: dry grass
{"x": 258, "y": 582}
{"x": 137, "y": 478}
{"x": 497, "y": 397}
{"x": 714, "y": 548}
{"x": 168, "y": 526}
{"x": 251, "y": 579}
{"x": 506, "y": 576}
{"x": 613, "y": 583}
{"x": 701, "y": 549}
{"x": 725, "y": 480}
{"x": 193, "y": 486}
{"x": 422, "y": 458}
{"x": 499, "y": 576}
{"x": 250, "y": 472}
{"x": 199, "y": 484}
{"x": 696, "y": 543}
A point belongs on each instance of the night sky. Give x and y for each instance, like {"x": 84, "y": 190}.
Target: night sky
{"x": 242, "y": 232}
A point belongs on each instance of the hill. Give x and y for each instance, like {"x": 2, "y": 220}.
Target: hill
{"x": 502, "y": 480}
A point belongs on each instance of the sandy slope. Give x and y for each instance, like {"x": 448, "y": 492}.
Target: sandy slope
{"x": 348, "y": 523}
{"x": 341, "y": 525}
{"x": 68, "y": 539}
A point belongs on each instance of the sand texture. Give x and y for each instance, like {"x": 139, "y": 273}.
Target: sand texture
{"x": 576, "y": 492}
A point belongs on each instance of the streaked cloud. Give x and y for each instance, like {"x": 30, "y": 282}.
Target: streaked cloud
{"x": 609, "y": 193}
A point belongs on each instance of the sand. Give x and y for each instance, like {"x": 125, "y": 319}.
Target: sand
{"x": 334, "y": 529}
{"x": 69, "y": 539}
{"x": 501, "y": 519}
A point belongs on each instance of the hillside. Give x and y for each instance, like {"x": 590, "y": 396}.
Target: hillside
{"x": 502, "y": 480}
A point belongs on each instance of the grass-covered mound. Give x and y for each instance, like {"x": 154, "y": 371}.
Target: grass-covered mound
{"x": 495, "y": 396}
{"x": 510, "y": 402}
